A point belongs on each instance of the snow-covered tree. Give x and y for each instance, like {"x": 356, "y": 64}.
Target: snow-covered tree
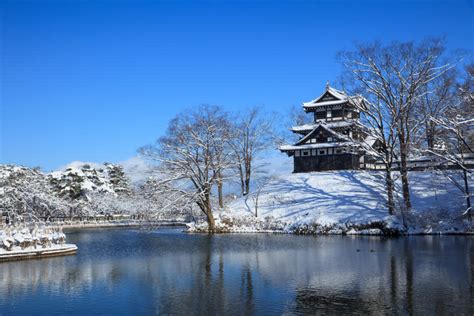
{"x": 188, "y": 164}
{"x": 76, "y": 182}
{"x": 438, "y": 95}
{"x": 252, "y": 135}
{"x": 157, "y": 201}
{"x": 118, "y": 179}
{"x": 380, "y": 142}
{"x": 26, "y": 195}
{"x": 456, "y": 144}
{"x": 395, "y": 76}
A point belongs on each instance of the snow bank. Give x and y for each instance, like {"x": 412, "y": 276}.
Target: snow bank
{"x": 345, "y": 202}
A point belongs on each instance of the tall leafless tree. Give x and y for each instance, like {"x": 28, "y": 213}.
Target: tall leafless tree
{"x": 191, "y": 158}
{"x": 380, "y": 141}
{"x": 396, "y": 75}
{"x": 252, "y": 135}
{"x": 438, "y": 95}
{"x": 456, "y": 144}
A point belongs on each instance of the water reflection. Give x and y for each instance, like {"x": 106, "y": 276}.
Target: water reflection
{"x": 133, "y": 272}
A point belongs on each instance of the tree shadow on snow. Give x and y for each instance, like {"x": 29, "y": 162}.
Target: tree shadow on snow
{"x": 352, "y": 198}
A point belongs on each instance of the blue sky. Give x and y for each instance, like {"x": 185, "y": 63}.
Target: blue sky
{"x": 95, "y": 80}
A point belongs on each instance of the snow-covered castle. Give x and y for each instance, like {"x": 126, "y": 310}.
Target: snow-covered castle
{"x": 331, "y": 141}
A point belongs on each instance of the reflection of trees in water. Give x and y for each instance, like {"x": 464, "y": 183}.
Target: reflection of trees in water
{"x": 419, "y": 275}
{"x": 250, "y": 274}
{"x": 58, "y": 275}
{"x": 208, "y": 287}
{"x": 312, "y": 301}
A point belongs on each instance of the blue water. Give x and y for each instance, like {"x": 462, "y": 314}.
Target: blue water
{"x": 134, "y": 272}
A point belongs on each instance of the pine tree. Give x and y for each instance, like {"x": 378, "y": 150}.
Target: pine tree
{"x": 118, "y": 179}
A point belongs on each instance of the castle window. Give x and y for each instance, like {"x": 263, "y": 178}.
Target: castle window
{"x": 322, "y": 152}
{"x": 338, "y": 151}
{"x": 337, "y": 114}
{"x": 329, "y": 114}
{"x": 320, "y": 115}
{"x": 306, "y": 152}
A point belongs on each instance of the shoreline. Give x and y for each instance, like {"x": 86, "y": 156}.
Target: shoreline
{"x": 187, "y": 229}
{"x": 86, "y": 225}
{"x": 109, "y": 224}
{"x": 190, "y": 228}
{"x": 382, "y": 229}
{"x": 394, "y": 235}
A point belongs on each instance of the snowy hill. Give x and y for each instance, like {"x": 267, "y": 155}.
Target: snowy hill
{"x": 346, "y": 202}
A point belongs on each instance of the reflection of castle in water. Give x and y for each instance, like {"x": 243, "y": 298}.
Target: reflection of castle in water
{"x": 232, "y": 274}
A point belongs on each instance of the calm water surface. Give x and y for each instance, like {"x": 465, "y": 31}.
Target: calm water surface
{"x": 127, "y": 271}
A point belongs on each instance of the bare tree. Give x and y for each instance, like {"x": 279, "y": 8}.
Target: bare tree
{"x": 457, "y": 142}
{"x": 252, "y": 136}
{"x": 222, "y": 153}
{"x": 260, "y": 184}
{"x": 190, "y": 156}
{"x": 379, "y": 143}
{"x": 396, "y": 75}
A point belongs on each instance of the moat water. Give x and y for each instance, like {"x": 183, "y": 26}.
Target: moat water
{"x": 133, "y": 272}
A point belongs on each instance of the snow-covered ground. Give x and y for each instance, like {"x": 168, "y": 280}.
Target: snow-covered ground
{"x": 350, "y": 202}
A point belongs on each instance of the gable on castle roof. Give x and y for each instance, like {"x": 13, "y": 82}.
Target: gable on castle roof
{"x": 321, "y": 129}
{"x": 331, "y": 95}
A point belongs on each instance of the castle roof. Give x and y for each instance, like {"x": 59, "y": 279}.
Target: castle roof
{"x": 317, "y": 146}
{"x": 332, "y": 124}
{"x": 316, "y": 130}
{"x": 330, "y": 97}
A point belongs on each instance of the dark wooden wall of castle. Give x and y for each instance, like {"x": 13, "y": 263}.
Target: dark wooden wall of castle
{"x": 328, "y": 162}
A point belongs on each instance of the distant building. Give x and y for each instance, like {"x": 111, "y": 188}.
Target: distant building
{"x": 331, "y": 141}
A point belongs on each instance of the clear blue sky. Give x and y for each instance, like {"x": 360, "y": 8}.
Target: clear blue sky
{"x": 95, "y": 80}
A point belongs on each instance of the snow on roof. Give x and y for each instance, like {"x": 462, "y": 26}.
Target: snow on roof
{"x": 334, "y": 124}
{"x": 341, "y": 98}
{"x": 370, "y": 140}
{"x": 337, "y": 135}
{"x": 337, "y": 93}
{"x": 316, "y": 146}
{"x": 316, "y": 104}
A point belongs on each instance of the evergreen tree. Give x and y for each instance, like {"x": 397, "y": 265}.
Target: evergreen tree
{"x": 118, "y": 179}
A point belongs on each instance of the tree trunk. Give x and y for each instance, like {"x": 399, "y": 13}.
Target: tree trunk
{"x": 468, "y": 195}
{"x": 430, "y": 131}
{"x": 389, "y": 187}
{"x": 204, "y": 204}
{"x": 404, "y": 169}
{"x": 242, "y": 180}
{"x": 219, "y": 190}
{"x": 211, "y": 222}
{"x": 210, "y": 217}
{"x": 247, "y": 186}
{"x": 247, "y": 176}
